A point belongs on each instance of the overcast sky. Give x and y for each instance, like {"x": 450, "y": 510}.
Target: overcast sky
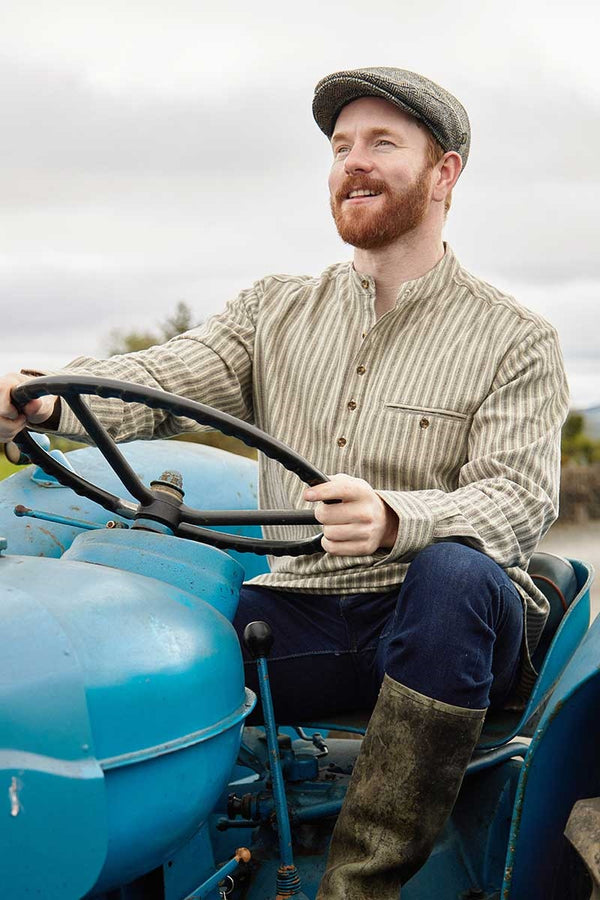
{"x": 153, "y": 152}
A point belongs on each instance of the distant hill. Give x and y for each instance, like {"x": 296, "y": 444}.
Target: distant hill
{"x": 592, "y": 421}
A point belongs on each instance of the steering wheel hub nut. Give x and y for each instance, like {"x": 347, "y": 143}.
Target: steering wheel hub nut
{"x": 170, "y": 482}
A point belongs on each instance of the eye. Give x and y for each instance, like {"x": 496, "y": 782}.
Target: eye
{"x": 341, "y": 150}
{"x": 382, "y": 142}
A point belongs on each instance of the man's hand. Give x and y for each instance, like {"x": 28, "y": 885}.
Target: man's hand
{"x": 34, "y": 413}
{"x": 360, "y": 524}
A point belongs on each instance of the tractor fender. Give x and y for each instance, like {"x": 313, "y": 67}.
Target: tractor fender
{"x": 51, "y": 786}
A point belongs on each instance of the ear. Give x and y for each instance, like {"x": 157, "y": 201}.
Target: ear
{"x": 446, "y": 175}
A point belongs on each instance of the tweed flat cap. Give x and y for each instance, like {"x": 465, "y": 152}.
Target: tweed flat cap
{"x": 436, "y": 107}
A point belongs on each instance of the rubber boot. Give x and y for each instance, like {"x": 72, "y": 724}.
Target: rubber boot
{"x": 583, "y": 831}
{"x": 402, "y": 790}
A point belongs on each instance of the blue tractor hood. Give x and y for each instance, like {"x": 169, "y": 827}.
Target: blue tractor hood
{"x": 122, "y": 701}
{"x": 212, "y": 478}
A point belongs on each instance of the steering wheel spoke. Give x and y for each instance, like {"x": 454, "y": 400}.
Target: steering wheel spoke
{"x": 64, "y": 476}
{"x": 109, "y": 449}
{"x": 248, "y": 545}
{"x": 185, "y": 521}
{"x": 212, "y": 517}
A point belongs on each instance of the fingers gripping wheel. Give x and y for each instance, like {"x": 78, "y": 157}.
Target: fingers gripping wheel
{"x": 181, "y": 519}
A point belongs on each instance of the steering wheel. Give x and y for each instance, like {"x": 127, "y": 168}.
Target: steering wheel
{"x": 159, "y": 505}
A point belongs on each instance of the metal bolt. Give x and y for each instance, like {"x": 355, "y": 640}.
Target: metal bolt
{"x": 171, "y": 482}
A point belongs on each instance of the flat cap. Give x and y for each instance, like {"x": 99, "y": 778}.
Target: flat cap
{"x": 436, "y": 107}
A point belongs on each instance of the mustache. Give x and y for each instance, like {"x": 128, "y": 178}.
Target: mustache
{"x": 357, "y": 183}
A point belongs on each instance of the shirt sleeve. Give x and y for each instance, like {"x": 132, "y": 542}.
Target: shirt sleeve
{"x": 211, "y": 364}
{"x": 507, "y": 494}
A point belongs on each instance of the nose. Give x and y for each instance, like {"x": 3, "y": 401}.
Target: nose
{"x": 358, "y": 160}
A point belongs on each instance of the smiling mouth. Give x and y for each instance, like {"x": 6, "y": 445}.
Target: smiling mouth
{"x": 353, "y": 195}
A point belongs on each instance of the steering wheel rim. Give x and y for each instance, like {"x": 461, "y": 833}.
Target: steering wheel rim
{"x": 183, "y": 520}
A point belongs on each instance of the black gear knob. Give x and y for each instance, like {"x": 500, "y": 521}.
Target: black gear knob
{"x": 258, "y": 638}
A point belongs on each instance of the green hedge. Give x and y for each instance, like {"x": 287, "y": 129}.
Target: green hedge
{"x": 5, "y": 467}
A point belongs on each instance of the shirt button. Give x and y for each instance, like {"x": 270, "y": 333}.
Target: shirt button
{"x": 424, "y": 423}
{"x": 341, "y": 442}
{"x": 352, "y": 404}
{"x": 365, "y": 283}
{"x": 361, "y": 370}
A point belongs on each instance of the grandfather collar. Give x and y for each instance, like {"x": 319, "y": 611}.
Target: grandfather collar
{"x": 426, "y": 285}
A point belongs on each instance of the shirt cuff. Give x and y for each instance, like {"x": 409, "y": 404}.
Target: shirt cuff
{"x": 416, "y": 524}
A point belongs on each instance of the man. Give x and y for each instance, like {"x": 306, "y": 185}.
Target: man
{"x": 440, "y": 399}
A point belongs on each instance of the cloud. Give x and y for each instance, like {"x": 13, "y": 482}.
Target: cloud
{"x": 572, "y": 307}
{"x": 151, "y": 153}
{"x": 58, "y": 123}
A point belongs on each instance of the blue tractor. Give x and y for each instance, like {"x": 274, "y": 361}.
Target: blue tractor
{"x": 126, "y": 767}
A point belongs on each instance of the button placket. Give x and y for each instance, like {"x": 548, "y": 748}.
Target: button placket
{"x": 351, "y": 403}
{"x": 368, "y": 309}
{"x": 349, "y": 409}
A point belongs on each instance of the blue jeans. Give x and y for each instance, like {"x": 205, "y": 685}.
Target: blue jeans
{"x": 453, "y": 631}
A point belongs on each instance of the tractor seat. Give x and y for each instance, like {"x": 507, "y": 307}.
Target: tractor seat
{"x": 565, "y": 583}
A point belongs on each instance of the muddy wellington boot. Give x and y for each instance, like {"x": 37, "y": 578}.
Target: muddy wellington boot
{"x": 402, "y": 790}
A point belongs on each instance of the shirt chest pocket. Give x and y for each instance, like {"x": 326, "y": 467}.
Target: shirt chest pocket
{"x": 428, "y": 412}
{"x": 427, "y": 445}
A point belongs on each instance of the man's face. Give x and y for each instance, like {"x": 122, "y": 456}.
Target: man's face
{"x": 380, "y": 180}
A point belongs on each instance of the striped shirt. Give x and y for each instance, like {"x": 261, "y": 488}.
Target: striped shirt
{"x": 450, "y": 405}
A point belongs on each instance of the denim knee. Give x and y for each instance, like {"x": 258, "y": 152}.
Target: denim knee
{"x": 453, "y": 580}
{"x": 458, "y": 625}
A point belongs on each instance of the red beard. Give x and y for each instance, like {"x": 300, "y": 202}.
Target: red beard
{"x": 397, "y": 213}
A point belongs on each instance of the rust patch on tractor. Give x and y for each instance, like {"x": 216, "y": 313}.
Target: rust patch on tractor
{"x": 52, "y": 538}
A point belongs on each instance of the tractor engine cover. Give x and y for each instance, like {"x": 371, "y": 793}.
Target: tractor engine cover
{"x": 122, "y": 703}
